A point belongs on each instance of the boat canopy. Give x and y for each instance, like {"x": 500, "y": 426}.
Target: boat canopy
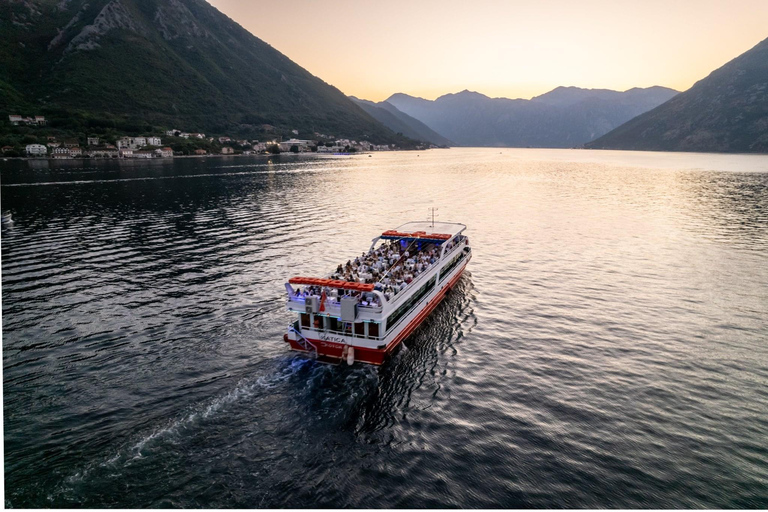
{"x": 332, "y": 283}
{"x": 415, "y": 235}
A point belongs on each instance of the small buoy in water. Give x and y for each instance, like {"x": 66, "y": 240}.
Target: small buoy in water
{"x": 369, "y": 156}
{"x": 351, "y": 356}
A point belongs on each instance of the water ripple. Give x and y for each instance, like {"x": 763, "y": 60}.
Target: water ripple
{"x": 604, "y": 349}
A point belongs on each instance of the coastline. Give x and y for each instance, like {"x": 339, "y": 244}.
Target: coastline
{"x": 32, "y": 158}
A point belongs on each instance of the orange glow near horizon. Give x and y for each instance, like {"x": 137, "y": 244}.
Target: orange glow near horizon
{"x": 510, "y": 49}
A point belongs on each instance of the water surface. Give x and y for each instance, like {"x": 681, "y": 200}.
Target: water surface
{"x": 605, "y": 348}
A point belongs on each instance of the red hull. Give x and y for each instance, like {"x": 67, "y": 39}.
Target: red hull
{"x": 335, "y": 351}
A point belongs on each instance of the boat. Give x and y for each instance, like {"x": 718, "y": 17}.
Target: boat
{"x": 365, "y": 309}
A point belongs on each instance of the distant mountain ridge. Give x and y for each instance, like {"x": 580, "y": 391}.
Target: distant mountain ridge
{"x": 400, "y": 122}
{"x": 726, "y": 112}
{"x": 563, "y": 117}
{"x": 130, "y": 64}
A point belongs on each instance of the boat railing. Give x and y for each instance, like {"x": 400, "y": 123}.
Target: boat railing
{"x": 416, "y": 280}
{"x": 460, "y": 243}
{"x": 410, "y": 286}
{"x": 330, "y": 303}
{"x": 301, "y": 340}
{"x": 351, "y": 334}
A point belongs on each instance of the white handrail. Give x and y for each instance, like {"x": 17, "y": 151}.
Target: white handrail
{"x": 306, "y": 341}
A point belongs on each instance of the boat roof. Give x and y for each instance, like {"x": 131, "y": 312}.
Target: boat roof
{"x": 332, "y": 283}
{"x": 428, "y": 228}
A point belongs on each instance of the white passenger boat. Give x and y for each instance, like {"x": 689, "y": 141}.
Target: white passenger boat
{"x": 370, "y": 304}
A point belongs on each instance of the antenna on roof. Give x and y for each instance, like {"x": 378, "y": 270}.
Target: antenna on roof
{"x": 432, "y": 211}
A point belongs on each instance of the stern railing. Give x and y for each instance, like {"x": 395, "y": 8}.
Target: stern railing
{"x": 304, "y": 342}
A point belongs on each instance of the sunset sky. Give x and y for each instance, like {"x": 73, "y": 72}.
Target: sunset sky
{"x": 514, "y": 49}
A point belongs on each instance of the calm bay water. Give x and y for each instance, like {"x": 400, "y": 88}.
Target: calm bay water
{"x": 607, "y": 347}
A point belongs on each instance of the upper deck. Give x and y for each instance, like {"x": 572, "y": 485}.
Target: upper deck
{"x": 379, "y": 278}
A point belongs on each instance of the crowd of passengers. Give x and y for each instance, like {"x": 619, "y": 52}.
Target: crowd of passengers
{"x": 390, "y": 268}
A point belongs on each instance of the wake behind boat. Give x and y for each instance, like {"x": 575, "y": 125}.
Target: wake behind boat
{"x": 368, "y": 306}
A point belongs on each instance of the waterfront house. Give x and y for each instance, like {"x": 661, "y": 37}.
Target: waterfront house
{"x": 7, "y": 149}
{"x": 302, "y": 145}
{"x": 164, "y": 152}
{"x": 200, "y": 151}
{"x": 15, "y": 120}
{"x": 36, "y": 150}
{"x": 226, "y": 150}
{"x": 104, "y": 152}
{"x": 137, "y": 142}
{"x": 143, "y": 154}
{"x": 75, "y": 152}
{"x": 332, "y": 149}
{"x": 93, "y": 141}
{"x": 71, "y": 143}
{"x": 126, "y": 152}
{"x": 59, "y": 153}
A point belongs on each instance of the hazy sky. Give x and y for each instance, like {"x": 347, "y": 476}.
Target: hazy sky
{"x": 514, "y": 49}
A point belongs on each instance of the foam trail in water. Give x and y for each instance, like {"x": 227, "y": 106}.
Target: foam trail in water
{"x": 244, "y": 389}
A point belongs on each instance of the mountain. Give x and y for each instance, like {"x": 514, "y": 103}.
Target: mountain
{"x": 400, "y": 122}
{"x": 727, "y": 111}
{"x": 563, "y": 117}
{"x": 132, "y": 64}
{"x": 636, "y": 98}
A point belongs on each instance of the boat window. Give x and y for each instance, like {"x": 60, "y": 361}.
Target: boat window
{"x": 451, "y": 265}
{"x": 334, "y": 324}
{"x": 373, "y": 330}
{"x": 304, "y": 319}
{"x": 360, "y": 329}
{"x": 408, "y": 305}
